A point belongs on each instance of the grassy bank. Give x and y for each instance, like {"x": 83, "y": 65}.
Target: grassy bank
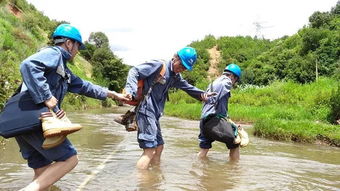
{"x": 282, "y": 111}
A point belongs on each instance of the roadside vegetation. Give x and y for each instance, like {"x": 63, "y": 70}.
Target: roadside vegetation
{"x": 290, "y": 86}
{"x": 286, "y": 111}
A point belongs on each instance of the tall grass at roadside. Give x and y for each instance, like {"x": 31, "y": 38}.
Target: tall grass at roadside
{"x": 283, "y": 110}
{"x": 301, "y": 131}
{"x": 184, "y": 110}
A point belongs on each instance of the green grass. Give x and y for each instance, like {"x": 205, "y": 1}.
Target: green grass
{"x": 300, "y": 131}
{"x": 184, "y": 110}
{"x": 282, "y": 111}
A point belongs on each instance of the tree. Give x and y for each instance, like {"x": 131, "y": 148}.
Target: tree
{"x": 336, "y": 10}
{"x": 334, "y": 114}
{"x": 107, "y": 66}
{"x": 311, "y": 39}
{"x": 99, "y": 39}
{"x": 300, "y": 69}
{"x": 89, "y": 51}
{"x": 318, "y": 19}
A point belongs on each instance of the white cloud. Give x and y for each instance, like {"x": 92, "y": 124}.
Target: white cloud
{"x": 139, "y": 30}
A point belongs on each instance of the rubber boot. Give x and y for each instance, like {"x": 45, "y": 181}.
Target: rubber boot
{"x": 53, "y": 125}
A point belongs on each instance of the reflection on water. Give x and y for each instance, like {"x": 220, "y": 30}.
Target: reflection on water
{"x": 151, "y": 179}
{"x": 221, "y": 174}
{"x": 108, "y": 155}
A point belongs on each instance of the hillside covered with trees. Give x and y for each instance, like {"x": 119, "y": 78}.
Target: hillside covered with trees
{"x": 24, "y": 30}
{"x": 312, "y": 52}
{"x": 290, "y": 87}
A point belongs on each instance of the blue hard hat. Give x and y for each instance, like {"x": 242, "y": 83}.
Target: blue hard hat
{"x": 233, "y": 68}
{"x": 68, "y": 31}
{"x": 188, "y": 57}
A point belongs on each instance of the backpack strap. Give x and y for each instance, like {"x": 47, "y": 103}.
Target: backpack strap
{"x": 163, "y": 70}
{"x": 140, "y": 86}
{"x": 161, "y": 73}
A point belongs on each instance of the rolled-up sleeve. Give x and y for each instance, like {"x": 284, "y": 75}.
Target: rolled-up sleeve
{"x": 86, "y": 88}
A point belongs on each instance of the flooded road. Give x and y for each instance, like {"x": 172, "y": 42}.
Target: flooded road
{"x": 108, "y": 154}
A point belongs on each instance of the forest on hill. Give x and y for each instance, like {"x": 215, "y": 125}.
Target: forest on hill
{"x": 312, "y": 52}
{"x": 290, "y": 87}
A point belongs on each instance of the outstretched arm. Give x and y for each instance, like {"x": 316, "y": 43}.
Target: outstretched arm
{"x": 86, "y": 88}
{"x": 118, "y": 96}
{"x": 192, "y": 90}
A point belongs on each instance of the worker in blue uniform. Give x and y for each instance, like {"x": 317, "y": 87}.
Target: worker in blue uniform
{"x": 155, "y": 92}
{"x": 47, "y": 79}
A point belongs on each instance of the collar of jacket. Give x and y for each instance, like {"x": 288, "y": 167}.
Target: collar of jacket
{"x": 172, "y": 73}
{"x": 66, "y": 55}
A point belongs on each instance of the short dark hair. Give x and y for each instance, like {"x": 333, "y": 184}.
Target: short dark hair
{"x": 59, "y": 40}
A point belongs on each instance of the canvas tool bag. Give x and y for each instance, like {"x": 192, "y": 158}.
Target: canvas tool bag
{"x": 219, "y": 129}
{"x": 20, "y": 115}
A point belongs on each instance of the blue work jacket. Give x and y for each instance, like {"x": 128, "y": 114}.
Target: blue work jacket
{"x": 46, "y": 73}
{"x": 153, "y": 106}
{"x": 218, "y": 104}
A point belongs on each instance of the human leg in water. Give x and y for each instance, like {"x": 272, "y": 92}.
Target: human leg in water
{"x": 203, "y": 153}
{"x": 234, "y": 154}
{"x": 145, "y": 159}
{"x": 156, "y": 159}
{"x": 46, "y": 176}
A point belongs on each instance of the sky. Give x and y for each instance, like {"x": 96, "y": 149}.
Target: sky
{"x": 140, "y": 30}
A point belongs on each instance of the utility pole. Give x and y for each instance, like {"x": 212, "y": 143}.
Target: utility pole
{"x": 259, "y": 26}
{"x": 316, "y": 70}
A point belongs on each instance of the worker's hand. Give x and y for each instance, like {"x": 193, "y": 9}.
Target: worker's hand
{"x": 51, "y": 103}
{"x": 118, "y": 96}
{"x": 128, "y": 96}
{"x": 205, "y": 96}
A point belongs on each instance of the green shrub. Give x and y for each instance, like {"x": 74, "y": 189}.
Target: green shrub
{"x": 334, "y": 114}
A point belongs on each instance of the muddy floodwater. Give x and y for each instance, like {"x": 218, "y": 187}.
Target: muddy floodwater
{"x": 108, "y": 154}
